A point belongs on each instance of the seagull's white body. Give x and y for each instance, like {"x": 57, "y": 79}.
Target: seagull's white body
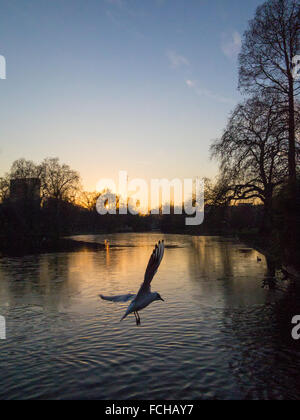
{"x": 141, "y": 303}
{"x": 144, "y": 297}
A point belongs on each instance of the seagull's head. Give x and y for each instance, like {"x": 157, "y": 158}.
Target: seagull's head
{"x": 158, "y": 297}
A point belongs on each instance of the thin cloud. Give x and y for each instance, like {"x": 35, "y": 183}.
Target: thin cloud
{"x": 231, "y": 44}
{"x": 208, "y": 93}
{"x": 190, "y": 83}
{"x": 177, "y": 60}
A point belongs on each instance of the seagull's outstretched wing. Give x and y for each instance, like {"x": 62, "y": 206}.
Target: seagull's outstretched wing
{"x": 152, "y": 267}
{"x": 119, "y": 298}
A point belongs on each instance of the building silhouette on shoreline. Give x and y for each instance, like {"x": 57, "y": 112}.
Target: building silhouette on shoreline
{"x": 25, "y": 190}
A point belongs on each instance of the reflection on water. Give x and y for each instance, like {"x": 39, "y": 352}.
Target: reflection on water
{"x": 219, "y": 334}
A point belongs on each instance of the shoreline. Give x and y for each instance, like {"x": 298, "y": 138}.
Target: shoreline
{"x": 67, "y": 244}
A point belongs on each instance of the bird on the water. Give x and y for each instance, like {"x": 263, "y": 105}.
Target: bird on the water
{"x": 144, "y": 296}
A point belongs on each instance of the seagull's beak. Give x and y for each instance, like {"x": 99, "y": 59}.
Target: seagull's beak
{"x": 162, "y": 299}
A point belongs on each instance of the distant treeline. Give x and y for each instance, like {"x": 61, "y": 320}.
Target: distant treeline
{"x": 37, "y": 221}
{"x": 24, "y": 224}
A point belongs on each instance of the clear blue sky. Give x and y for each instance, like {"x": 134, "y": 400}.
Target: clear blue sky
{"x": 109, "y": 85}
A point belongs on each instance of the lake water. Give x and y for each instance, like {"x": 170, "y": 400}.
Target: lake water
{"x": 218, "y": 334}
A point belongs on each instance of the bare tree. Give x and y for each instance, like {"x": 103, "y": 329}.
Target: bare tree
{"x": 4, "y": 188}
{"x": 298, "y": 138}
{"x": 268, "y": 49}
{"x": 20, "y": 169}
{"x": 88, "y": 199}
{"x": 23, "y": 168}
{"x": 252, "y": 153}
{"x": 59, "y": 181}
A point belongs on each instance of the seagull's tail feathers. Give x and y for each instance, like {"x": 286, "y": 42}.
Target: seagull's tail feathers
{"x": 124, "y": 316}
{"x": 129, "y": 310}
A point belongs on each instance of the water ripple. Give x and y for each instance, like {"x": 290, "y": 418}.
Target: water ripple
{"x": 218, "y": 335}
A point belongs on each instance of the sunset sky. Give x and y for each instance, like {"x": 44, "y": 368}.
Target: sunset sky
{"x": 109, "y": 85}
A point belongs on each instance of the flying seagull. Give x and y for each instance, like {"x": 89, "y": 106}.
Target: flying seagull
{"x": 144, "y": 296}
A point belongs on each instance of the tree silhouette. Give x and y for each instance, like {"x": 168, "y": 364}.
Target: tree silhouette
{"x": 253, "y": 153}
{"x": 268, "y": 49}
{"x": 59, "y": 181}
